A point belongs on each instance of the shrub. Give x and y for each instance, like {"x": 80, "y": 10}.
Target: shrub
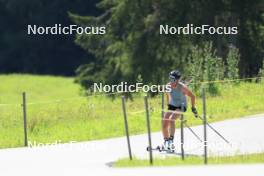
{"x": 204, "y": 65}
{"x": 232, "y": 63}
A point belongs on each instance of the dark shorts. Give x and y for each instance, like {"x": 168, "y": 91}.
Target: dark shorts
{"x": 178, "y": 108}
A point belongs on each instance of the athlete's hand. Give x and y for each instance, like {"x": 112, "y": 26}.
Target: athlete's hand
{"x": 195, "y": 112}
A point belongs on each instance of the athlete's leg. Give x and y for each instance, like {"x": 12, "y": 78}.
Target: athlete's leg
{"x": 172, "y": 125}
{"x": 165, "y": 129}
{"x": 165, "y": 125}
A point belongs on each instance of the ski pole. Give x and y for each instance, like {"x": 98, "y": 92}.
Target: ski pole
{"x": 214, "y": 130}
{"x": 185, "y": 122}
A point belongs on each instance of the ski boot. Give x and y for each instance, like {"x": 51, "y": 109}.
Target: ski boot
{"x": 165, "y": 145}
{"x": 171, "y": 146}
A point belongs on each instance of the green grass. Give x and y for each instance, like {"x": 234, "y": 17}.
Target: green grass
{"x": 38, "y": 88}
{"x": 192, "y": 160}
{"x": 80, "y": 118}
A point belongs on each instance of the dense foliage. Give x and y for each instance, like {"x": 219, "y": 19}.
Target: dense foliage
{"x": 134, "y": 48}
{"x": 40, "y": 54}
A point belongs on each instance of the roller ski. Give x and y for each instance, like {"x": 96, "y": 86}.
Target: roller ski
{"x": 168, "y": 147}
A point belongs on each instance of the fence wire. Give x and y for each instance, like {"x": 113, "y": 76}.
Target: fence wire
{"x": 98, "y": 116}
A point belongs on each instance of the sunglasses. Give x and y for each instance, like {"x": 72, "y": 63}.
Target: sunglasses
{"x": 172, "y": 79}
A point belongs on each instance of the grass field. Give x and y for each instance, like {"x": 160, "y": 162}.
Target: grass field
{"x": 58, "y": 112}
{"x": 193, "y": 160}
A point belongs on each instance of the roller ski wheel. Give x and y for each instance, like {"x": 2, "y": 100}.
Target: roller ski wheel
{"x": 157, "y": 148}
{"x": 148, "y": 148}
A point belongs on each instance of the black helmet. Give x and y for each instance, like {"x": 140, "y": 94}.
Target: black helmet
{"x": 174, "y": 75}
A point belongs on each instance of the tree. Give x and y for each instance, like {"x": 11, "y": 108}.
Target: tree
{"x": 39, "y": 54}
{"x": 133, "y": 45}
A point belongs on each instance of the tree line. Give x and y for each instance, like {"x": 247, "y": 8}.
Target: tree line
{"x": 41, "y": 54}
{"x": 133, "y": 47}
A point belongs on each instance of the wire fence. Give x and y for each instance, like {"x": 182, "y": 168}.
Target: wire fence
{"x": 98, "y": 116}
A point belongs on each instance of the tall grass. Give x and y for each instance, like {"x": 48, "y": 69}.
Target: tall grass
{"x": 78, "y": 118}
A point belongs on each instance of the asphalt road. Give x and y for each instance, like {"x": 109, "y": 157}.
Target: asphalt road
{"x": 96, "y": 157}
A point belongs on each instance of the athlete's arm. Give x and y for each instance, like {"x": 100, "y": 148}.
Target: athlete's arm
{"x": 168, "y": 97}
{"x": 189, "y": 93}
